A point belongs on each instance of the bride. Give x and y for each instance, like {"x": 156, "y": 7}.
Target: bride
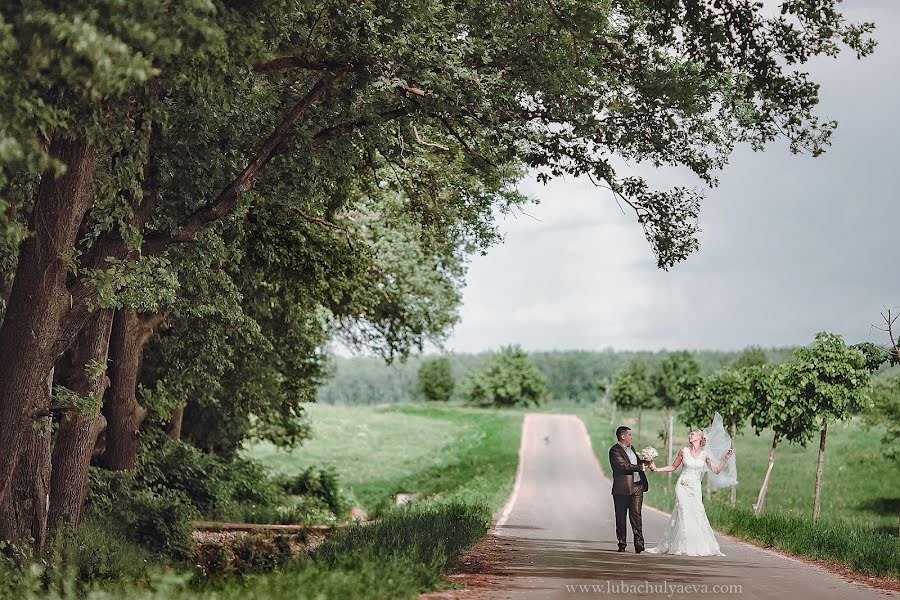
{"x": 688, "y": 530}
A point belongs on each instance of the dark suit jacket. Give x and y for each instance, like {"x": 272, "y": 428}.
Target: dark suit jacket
{"x": 623, "y": 472}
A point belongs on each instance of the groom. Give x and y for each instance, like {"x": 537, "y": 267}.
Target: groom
{"x": 629, "y": 485}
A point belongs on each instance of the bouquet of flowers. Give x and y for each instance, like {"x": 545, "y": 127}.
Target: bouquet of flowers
{"x": 648, "y": 454}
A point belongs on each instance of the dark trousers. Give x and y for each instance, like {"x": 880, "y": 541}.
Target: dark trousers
{"x": 629, "y": 504}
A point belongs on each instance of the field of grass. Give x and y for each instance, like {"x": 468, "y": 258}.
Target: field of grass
{"x": 457, "y": 453}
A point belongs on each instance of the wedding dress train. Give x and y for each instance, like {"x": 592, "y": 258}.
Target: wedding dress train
{"x": 688, "y": 530}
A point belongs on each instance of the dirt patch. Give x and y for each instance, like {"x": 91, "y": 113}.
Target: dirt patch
{"x": 477, "y": 574}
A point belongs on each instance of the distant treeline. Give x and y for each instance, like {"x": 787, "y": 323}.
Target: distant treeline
{"x": 571, "y": 374}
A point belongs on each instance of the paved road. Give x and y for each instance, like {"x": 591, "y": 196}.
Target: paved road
{"x": 556, "y": 539}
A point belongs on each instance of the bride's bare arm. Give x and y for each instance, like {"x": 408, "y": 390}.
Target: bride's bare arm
{"x": 718, "y": 468}
{"x": 671, "y": 467}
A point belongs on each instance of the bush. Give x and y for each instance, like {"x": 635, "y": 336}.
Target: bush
{"x": 180, "y": 467}
{"x": 157, "y": 518}
{"x": 248, "y": 481}
{"x": 254, "y": 554}
{"x": 435, "y": 380}
{"x": 162, "y": 522}
{"x": 508, "y": 379}
{"x": 323, "y": 485}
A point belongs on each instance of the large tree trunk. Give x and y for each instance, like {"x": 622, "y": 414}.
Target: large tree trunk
{"x": 760, "y": 505}
{"x": 39, "y": 299}
{"x": 732, "y": 429}
{"x": 23, "y": 513}
{"x": 79, "y": 429}
{"x": 124, "y": 414}
{"x": 820, "y": 464}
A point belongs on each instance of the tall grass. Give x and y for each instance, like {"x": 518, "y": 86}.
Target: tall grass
{"x": 859, "y": 548}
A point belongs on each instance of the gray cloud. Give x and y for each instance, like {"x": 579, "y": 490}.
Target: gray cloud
{"x": 791, "y": 245}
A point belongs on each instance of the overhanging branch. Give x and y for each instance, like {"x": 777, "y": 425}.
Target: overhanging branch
{"x": 221, "y": 205}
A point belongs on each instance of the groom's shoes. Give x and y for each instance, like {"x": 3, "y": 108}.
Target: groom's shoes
{"x": 622, "y": 548}
{"x": 638, "y": 550}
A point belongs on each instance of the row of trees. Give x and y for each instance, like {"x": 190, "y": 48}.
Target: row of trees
{"x": 509, "y": 378}
{"x": 824, "y": 382}
{"x": 570, "y": 375}
{"x": 234, "y": 182}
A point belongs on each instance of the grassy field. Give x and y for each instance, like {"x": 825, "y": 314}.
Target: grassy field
{"x": 445, "y": 452}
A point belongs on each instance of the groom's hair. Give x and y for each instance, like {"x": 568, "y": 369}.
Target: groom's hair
{"x": 620, "y": 430}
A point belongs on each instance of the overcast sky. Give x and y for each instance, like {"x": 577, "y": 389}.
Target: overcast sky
{"x": 791, "y": 244}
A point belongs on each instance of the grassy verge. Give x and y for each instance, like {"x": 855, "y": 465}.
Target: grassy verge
{"x": 398, "y": 557}
{"x": 858, "y": 523}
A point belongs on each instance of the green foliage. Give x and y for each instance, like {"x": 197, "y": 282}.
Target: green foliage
{"x": 255, "y": 554}
{"x": 179, "y": 467}
{"x": 828, "y": 381}
{"x": 727, "y": 392}
{"x": 508, "y": 379}
{"x": 875, "y": 355}
{"x": 435, "y": 381}
{"x": 161, "y": 521}
{"x": 885, "y": 413}
{"x": 570, "y": 375}
{"x": 632, "y": 387}
{"x": 754, "y": 356}
{"x": 323, "y": 484}
{"x": 861, "y": 549}
{"x": 677, "y": 379}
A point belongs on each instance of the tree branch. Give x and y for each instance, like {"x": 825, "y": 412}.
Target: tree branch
{"x": 425, "y": 143}
{"x": 283, "y": 63}
{"x": 220, "y": 206}
{"x": 338, "y": 130}
{"x": 468, "y": 150}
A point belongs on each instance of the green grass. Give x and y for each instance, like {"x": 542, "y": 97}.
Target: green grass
{"x": 857, "y": 525}
{"x": 457, "y": 453}
{"x": 399, "y": 556}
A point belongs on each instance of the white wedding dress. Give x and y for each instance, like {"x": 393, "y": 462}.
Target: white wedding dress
{"x": 688, "y": 530}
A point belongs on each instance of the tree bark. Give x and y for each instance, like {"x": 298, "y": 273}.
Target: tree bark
{"x": 760, "y": 505}
{"x": 174, "y": 428}
{"x": 39, "y": 299}
{"x": 79, "y": 429}
{"x": 23, "y": 513}
{"x": 732, "y": 427}
{"x": 820, "y": 465}
{"x": 124, "y": 414}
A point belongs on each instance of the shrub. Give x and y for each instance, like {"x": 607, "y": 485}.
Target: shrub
{"x": 162, "y": 522}
{"x": 180, "y": 467}
{"x": 508, "y": 379}
{"x": 323, "y": 485}
{"x": 254, "y": 554}
{"x": 435, "y": 380}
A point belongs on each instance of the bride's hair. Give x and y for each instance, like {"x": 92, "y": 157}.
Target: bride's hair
{"x": 702, "y": 437}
